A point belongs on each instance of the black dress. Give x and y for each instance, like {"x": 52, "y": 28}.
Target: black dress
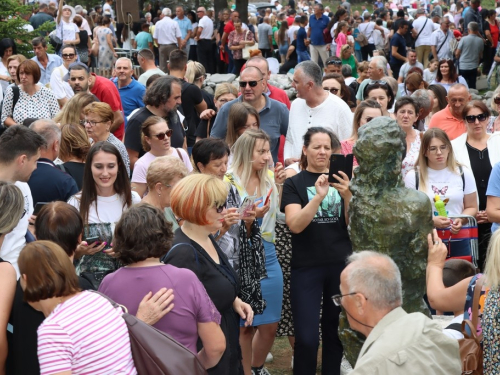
{"x": 75, "y": 170}
{"x": 222, "y": 285}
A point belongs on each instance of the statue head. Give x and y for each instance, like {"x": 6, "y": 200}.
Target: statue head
{"x": 380, "y": 149}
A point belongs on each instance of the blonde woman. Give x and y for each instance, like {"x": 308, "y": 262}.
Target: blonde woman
{"x": 494, "y": 124}
{"x": 73, "y": 150}
{"x": 72, "y": 112}
{"x": 250, "y": 175}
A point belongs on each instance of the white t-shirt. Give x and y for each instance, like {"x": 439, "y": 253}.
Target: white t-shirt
{"x": 208, "y": 28}
{"x": 15, "y": 240}
{"x": 69, "y": 30}
{"x": 424, "y": 38}
{"x": 126, "y": 43}
{"x": 447, "y": 185}
{"x": 107, "y": 8}
{"x": 142, "y": 165}
{"x": 290, "y": 32}
{"x": 4, "y": 72}
{"x": 453, "y": 333}
{"x": 109, "y": 209}
{"x": 368, "y": 29}
{"x": 59, "y": 87}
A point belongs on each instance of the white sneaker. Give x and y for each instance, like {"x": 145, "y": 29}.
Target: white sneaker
{"x": 291, "y": 364}
{"x": 269, "y": 357}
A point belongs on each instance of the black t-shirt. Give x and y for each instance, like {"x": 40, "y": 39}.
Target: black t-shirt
{"x": 75, "y": 170}
{"x": 293, "y": 55}
{"x": 191, "y": 96}
{"x": 325, "y": 240}
{"x": 481, "y": 168}
{"x": 133, "y": 131}
{"x": 407, "y": 37}
{"x": 201, "y": 131}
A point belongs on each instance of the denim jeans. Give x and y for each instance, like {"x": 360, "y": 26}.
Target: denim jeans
{"x": 303, "y": 56}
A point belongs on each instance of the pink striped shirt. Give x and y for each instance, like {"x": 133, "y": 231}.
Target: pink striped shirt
{"x": 85, "y": 335}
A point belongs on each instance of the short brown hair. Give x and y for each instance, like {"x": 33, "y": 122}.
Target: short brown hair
{"x": 103, "y": 110}
{"x": 164, "y": 169}
{"x": 49, "y": 271}
{"x": 74, "y": 142}
{"x": 153, "y": 120}
{"x": 78, "y": 21}
{"x": 60, "y": 223}
{"x": 476, "y": 104}
{"x": 237, "y": 119}
{"x": 30, "y": 67}
{"x": 153, "y": 240}
{"x": 194, "y": 195}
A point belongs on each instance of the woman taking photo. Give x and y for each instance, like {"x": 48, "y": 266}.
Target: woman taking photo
{"x": 67, "y": 31}
{"x": 163, "y": 174}
{"x": 48, "y": 278}
{"x": 98, "y": 119}
{"x": 155, "y": 139}
{"x": 224, "y": 92}
{"x": 11, "y": 210}
{"x": 316, "y": 214}
{"x": 479, "y": 152}
{"x": 105, "y": 195}
{"x": 194, "y": 314}
{"x": 73, "y": 150}
{"x": 438, "y": 174}
{"x": 382, "y": 93}
{"x": 437, "y": 94}
{"x": 199, "y": 200}
{"x": 238, "y": 39}
{"x": 250, "y": 175}
{"x": 35, "y": 101}
{"x": 447, "y": 75}
{"x": 366, "y": 111}
{"x": 406, "y": 111}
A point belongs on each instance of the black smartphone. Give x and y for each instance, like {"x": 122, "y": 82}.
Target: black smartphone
{"x": 340, "y": 162}
{"x": 38, "y": 207}
{"x": 91, "y": 240}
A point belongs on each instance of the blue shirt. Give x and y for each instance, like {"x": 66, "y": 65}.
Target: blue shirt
{"x": 185, "y": 25}
{"x": 54, "y": 62}
{"x": 131, "y": 95}
{"x": 301, "y": 36}
{"x": 494, "y": 188}
{"x": 273, "y": 120}
{"x": 317, "y": 26}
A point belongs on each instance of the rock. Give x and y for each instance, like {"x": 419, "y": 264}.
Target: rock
{"x": 292, "y": 94}
{"x": 473, "y": 91}
{"x": 281, "y": 80}
{"x": 387, "y": 217}
{"x": 209, "y": 89}
{"x": 219, "y": 78}
{"x": 488, "y": 95}
{"x": 476, "y": 97}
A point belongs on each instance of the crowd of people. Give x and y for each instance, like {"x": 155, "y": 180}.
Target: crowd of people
{"x": 217, "y": 210}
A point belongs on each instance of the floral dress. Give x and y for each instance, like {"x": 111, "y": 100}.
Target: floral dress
{"x": 469, "y": 299}
{"x": 234, "y": 40}
{"x": 106, "y": 58}
{"x": 491, "y": 333}
{"x": 411, "y": 156}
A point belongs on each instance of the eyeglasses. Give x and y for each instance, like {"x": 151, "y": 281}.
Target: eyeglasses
{"x": 68, "y": 55}
{"x": 471, "y": 119}
{"x": 497, "y": 100}
{"x": 337, "y": 298}
{"x": 221, "y": 208}
{"x": 434, "y": 149}
{"x": 161, "y": 136}
{"x": 334, "y": 62}
{"x": 333, "y": 90}
{"x": 250, "y": 83}
{"x": 91, "y": 123}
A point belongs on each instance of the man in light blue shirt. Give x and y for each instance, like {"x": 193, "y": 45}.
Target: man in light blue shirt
{"x": 185, "y": 26}
{"x": 46, "y": 61}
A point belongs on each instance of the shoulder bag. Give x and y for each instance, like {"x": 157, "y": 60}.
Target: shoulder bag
{"x": 246, "y": 51}
{"x": 155, "y": 352}
{"x": 420, "y": 32}
{"x": 431, "y": 56}
{"x": 362, "y": 39}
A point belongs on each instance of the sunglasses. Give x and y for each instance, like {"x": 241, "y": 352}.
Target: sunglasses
{"x": 250, "y": 83}
{"x": 333, "y": 90}
{"x": 472, "y": 119}
{"x": 161, "y": 136}
{"x": 334, "y": 62}
{"x": 497, "y": 100}
{"x": 219, "y": 209}
{"x": 68, "y": 55}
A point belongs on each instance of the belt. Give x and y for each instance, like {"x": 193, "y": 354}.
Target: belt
{"x": 171, "y": 44}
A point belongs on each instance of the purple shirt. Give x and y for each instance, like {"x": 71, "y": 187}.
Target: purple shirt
{"x": 128, "y": 286}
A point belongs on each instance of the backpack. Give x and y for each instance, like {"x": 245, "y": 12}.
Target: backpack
{"x": 471, "y": 351}
{"x": 155, "y": 352}
{"x": 327, "y": 36}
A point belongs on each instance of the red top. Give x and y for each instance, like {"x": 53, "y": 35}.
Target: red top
{"x": 106, "y": 92}
{"x": 228, "y": 27}
{"x": 494, "y": 34}
{"x": 290, "y": 20}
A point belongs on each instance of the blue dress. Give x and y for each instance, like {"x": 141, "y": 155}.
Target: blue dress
{"x": 106, "y": 60}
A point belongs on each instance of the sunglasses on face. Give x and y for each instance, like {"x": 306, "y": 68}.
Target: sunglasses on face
{"x": 333, "y": 90}
{"x": 219, "y": 209}
{"x": 250, "y": 83}
{"x": 161, "y": 136}
{"x": 334, "y": 62}
{"x": 68, "y": 55}
{"x": 471, "y": 119}
{"x": 497, "y": 100}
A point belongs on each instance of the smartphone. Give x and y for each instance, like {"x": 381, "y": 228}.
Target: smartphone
{"x": 247, "y": 205}
{"x": 339, "y": 162}
{"x": 91, "y": 240}
{"x": 38, "y": 207}
{"x": 268, "y": 196}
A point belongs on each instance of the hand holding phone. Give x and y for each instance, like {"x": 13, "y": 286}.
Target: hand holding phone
{"x": 247, "y": 205}
{"x": 340, "y": 162}
{"x": 38, "y": 207}
{"x": 268, "y": 196}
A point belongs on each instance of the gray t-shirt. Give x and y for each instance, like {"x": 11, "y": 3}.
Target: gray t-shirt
{"x": 403, "y": 72}
{"x": 471, "y": 49}
{"x": 264, "y": 31}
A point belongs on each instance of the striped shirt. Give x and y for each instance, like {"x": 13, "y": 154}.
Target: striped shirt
{"x": 85, "y": 335}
